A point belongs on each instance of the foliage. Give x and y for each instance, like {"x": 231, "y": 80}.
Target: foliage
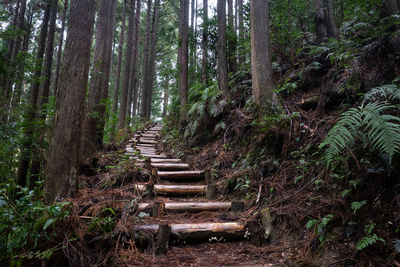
{"x": 369, "y": 239}
{"x": 371, "y": 125}
{"x": 320, "y": 226}
{"x": 25, "y": 220}
{"x": 390, "y": 92}
{"x": 206, "y": 102}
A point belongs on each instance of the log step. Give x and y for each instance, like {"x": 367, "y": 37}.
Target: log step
{"x": 180, "y": 189}
{"x": 196, "y": 206}
{"x": 166, "y": 160}
{"x": 182, "y": 176}
{"x": 141, "y": 141}
{"x": 170, "y": 166}
{"x": 200, "y": 231}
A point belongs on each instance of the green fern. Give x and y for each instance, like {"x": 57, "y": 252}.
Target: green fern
{"x": 370, "y": 125}
{"x": 386, "y": 92}
{"x": 367, "y": 241}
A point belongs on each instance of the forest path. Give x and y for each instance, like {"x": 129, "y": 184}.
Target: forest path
{"x": 186, "y": 213}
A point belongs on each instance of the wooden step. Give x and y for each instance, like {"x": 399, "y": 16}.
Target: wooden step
{"x": 166, "y": 160}
{"x": 144, "y": 145}
{"x": 197, "y": 206}
{"x": 200, "y": 231}
{"x": 181, "y": 176}
{"x": 154, "y": 156}
{"x": 142, "y": 141}
{"x": 180, "y": 189}
{"x": 170, "y": 166}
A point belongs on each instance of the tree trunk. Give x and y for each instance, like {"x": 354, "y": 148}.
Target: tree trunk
{"x": 232, "y": 66}
{"x": 133, "y": 80}
{"x": 119, "y": 62}
{"x": 17, "y": 93}
{"x": 64, "y": 155}
{"x": 242, "y": 58}
{"x": 146, "y": 74}
{"x": 44, "y": 94}
{"x": 320, "y": 22}
{"x": 166, "y": 96}
{"x": 391, "y": 7}
{"x": 26, "y": 147}
{"x": 152, "y": 60}
{"x": 183, "y": 42}
{"x": 60, "y": 44}
{"x": 222, "y": 60}
{"x": 204, "y": 64}
{"x": 261, "y": 68}
{"x": 330, "y": 20}
{"x": 127, "y": 68}
{"x": 192, "y": 43}
{"x": 99, "y": 81}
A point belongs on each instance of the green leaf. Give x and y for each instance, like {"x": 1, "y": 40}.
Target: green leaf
{"x": 48, "y": 223}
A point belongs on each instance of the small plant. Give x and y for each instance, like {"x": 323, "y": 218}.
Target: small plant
{"x": 355, "y": 206}
{"x": 369, "y": 239}
{"x": 320, "y": 226}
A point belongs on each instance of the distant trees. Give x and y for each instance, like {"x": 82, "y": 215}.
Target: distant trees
{"x": 183, "y": 52}
{"x": 325, "y": 21}
{"x": 222, "y": 53}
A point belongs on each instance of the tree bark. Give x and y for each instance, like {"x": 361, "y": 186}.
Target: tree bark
{"x": 192, "y": 43}
{"x": 392, "y": 7}
{"x": 99, "y": 81}
{"x": 183, "y": 51}
{"x": 26, "y": 147}
{"x": 261, "y": 68}
{"x": 133, "y": 79}
{"x": 127, "y": 67}
{"x": 331, "y": 20}
{"x": 152, "y": 59}
{"x": 146, "y": 66}
{"x": 60, "y": 44}
{"x": 119, "y": 61}
{"x": 62, "y": 167}
{"x": 232, "y": 65}
{"x": 166, "y": 96}
{"x": 242, "y": 58}
{"x": 204, "y": 63}
{"x": 222, "y": 53}
{"x": 320, "y": 22}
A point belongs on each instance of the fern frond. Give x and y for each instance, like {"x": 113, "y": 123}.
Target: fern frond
{"x": 382, "y": 131}
{"x": 367, "y": 241}
{"x": 385, "y": 92}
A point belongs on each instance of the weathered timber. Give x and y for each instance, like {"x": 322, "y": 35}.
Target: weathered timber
{"x": 180, "y": 189}
{"x": 144, "y": 145}
{"x": 200, "y": 231}
{"x": 154, "y": 156}
{"x": 164, "y": 233}
{"x": 166, "y": 160}
{"x": 256, "y": 233}
{"x": 158, "y": 209}
{"x": 146, "y": 141}
{"x": 170, "y": 166}
{"x": 182, "y": 176}
{"x": 190, "y": 206}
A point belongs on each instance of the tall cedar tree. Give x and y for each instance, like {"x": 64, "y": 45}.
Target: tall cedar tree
{"x": 166, "y": 96}
{"x": 127, "y": 66}
{"x": 241, "y": 52}
{"x": 146, "y": 66}
{"x": 232, "y": 66}
{"x": 152, "y": 57}
{"x": 62, "y": 168}
{"x": 204, "y": 75}
{"x": 133, "y": 74}
{"x": 222, "y": 60}
{"x": 183, "y": 56}
{"x": 26, "y": 146}
{"x": 93, "y": 126}
{"x": 261, "y": 68}
{"x": 135, "y": 69}
{"x": 119, "y": 61}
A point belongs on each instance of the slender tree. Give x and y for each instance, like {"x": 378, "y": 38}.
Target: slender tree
{"x": 60, "y": 44}
{"x": 261, "y": 68}
{"x": 127, "y": 67}
{"x": 241, "y": 52}
{"x": 222, "y": 54}
{"x": 26, "y": 147}
{"x": 93, "y": 138}
{"x": 62, "y": 168}
{"x": 135, "y": 55}
{"x": 391, "y": 6}
{"x": 330, "y": 19}
{"x": 183, "y": 56}
{"x": 152, "y": 57}
{"x": 232, "y": 65}
{"x": 166, "y": 95}
{"x": 204, "y": 76}
{"x": 133, "y": 80}
{"x": 146, "y": 66}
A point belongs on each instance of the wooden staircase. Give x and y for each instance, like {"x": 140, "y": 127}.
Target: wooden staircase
{"x": 174, "y": 189}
